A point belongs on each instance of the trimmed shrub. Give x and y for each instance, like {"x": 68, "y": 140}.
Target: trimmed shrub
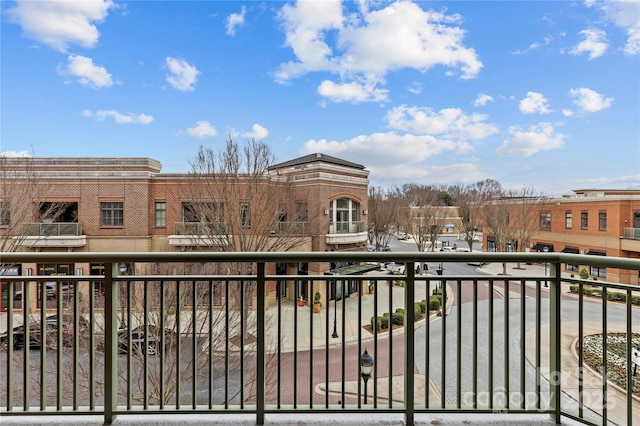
{"x": 423, "y": 306}
{"x": 397, "y": 318}
{"x": 417, "y": 311}
{"x": 434, "y": 303}
{"x": 400, "y": 311}
{"x": 436, "y": 291}
{"x": 635, "y": 300}
{"x": 574, "y": 288}
{"x": 584, "y": 274}
{"x": 378, "y": 322}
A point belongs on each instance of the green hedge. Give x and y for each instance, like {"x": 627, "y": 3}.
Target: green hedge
{"x": 423, "y": 306}
{"x": 434, "y": 303}
{"x": 397, "y": 318}
{"x": 611, "y": 295}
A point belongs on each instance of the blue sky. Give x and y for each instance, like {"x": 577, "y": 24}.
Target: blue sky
{"x": 540, "y": 93}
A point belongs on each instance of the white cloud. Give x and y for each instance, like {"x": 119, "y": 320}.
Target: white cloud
{"x": 235, "y": 20}
{"x": 594, "y": 43}
{"x": 391, "y": 175}
{"x": 351, "y": 92}
{"x": 119, "y": 118}
{"x": 202, "y": 129}
{"x": 534, "y": 103}
{"x": 449, "y": 123}
{"x": 482, "y": 100}
{"x": 541, "y": 137}
{"x": 14, "y": 154}
{"x": 371, "y": 43}
{"x": 60, "y": 23}
{"x": 182, "y": 76}
{"x": 384, "y": 148}
{"x": 589, "y": 100}
{"x": 536, "y": 45}
{"x": 624, "y": 14}
{"x": 87, "y": 73}
{"x": 257, "y": 132}
{"x": 415, "y": 88}
{"x": 567, "y": 112}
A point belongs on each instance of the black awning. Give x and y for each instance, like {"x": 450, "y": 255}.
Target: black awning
{"x": 541, "y": 246}
{"x": 571, "y": 250}
{"x": 596, "y": 253}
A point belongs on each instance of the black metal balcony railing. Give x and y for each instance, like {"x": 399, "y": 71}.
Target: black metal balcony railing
{"x": 189, "y": 343}
{"x": 52, "y": 229}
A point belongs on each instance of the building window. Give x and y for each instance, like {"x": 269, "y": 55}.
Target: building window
{"x": 602, "y": 221}
{"x": 344, "y": 214}
{"x": 203, "y": 212}
{"x": 302, "y": 212}
{"x": 5, "y": 215}
{"x": 572, "y": 267}
{"x": 584, "y": 220}
{"x": 161, "y": 214}
{"x": 545, "y": 219}
{"x": 111, "y": 213}
{"x": 568, "y": 220}
{"x": 245, "y": 214}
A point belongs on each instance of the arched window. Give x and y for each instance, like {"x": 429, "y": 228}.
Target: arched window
{"x": 344, "y": 215}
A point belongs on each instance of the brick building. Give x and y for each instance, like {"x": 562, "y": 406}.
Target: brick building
{"x": 595, "y": 222}
{"x": 128, "y": 205}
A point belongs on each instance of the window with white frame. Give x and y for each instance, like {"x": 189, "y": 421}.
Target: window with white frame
{"x": 568, "y": 219}
{"x": 344, "y": 213}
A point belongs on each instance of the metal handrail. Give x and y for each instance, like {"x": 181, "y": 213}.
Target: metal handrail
{"x": 121, "y": 308}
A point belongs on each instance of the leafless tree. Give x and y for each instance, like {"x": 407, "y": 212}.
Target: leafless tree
{"x": 470, "y": 200}
{"x": 384, "y": 215}
{"x": 526, "y": 214}
{"x": 511, "y": 220}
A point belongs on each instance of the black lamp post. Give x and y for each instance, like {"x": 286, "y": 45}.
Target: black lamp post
{"x": 439, "y": 272}
{"x": 366, "y": 365}
{"x": 546, "y": 250}
{"x": 335, "y": 307}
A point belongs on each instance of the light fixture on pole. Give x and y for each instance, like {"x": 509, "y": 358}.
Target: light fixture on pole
{"x": 366, "y": 365}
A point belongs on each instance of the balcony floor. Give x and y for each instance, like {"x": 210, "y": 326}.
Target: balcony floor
{"x": 291, "y": 419}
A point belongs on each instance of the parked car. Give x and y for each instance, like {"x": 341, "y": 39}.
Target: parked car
{"x": 51, "y": 327}
{"x": 154, "y": 340}
{"x": 476, "y": 238}
{"x": 395, "y": 268}
{"x": 52, "y": 289}
{"x": 402, "y": 236}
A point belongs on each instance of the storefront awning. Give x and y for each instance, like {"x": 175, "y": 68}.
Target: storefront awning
{"x": 596, "y": 253}
{"x": 541, "y": 246}
{"x": 571, "y": 250}
{"x": 356, "y": 269}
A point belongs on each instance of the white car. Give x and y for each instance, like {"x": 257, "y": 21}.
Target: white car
{"x": 476, "y": 238}
{"x": 403, "y": 236}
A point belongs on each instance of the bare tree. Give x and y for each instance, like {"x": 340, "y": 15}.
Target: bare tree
{"x": 512, "y": 219}
{"x": 470, "y": 200}
{"x": 526, "y": 210}
{"x": 384, "y": 214}
{"x": 240, "y": 203}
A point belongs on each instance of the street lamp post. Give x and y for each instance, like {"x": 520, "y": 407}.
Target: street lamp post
{"x": 546, "y": 282}
{"x": 439, "y": 272}
{"x": 366, "y": 365}
{"x": 335, "y": 307}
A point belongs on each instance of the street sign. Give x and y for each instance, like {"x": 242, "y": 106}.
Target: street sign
{"x": 635, "y": 356}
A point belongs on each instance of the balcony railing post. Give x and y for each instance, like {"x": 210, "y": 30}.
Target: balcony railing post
{"x": 260, "y": 343}
{"x": 555, "y": 348}
{"x": 110, "y": 342}
{"x": 409, "y": 343}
